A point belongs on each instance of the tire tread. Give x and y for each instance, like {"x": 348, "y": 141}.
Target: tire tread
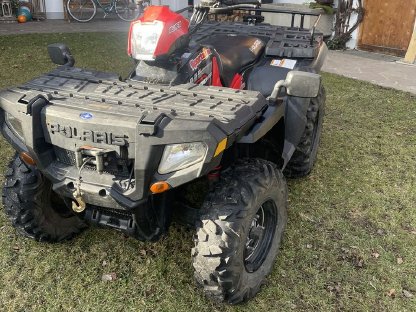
{"x": 221, "y": 219}
{"x": 20, "y": 197}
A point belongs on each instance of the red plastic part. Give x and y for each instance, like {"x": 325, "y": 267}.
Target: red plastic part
{"x": 216, "y": 79}
{"x": 237, "y": 82}
{"x": 200, "y": 79}
{"x": 215, "y": 174}
{"x": 175, "y": 26}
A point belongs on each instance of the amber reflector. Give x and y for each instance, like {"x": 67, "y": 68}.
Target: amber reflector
{"x": 27, "y": 159}
{"x": 159, "y": 187}
{"x": 221, "y": 147}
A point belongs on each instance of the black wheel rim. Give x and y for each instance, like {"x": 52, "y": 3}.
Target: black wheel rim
{"x": 260, "y": 236}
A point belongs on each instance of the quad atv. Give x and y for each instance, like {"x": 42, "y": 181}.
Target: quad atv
{"x": 233, "y": 106}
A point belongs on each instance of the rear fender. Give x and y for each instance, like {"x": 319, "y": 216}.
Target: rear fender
{"x": 319, "y": 61}
{"x": 296, "y": 109}
{"x": 295, "y": 123}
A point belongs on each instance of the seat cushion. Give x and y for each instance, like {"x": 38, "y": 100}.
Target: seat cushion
{"x": 236, "y": 52}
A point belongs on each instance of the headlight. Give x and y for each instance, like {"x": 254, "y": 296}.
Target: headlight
{"x": 180, "y": 156}
{"x": 15, "y": 126}
{"x": 144, "y": 39}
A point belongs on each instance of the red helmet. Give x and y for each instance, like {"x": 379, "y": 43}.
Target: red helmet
{"x": 157, "y": 34}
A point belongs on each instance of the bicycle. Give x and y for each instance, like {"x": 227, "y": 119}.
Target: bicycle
{"x": 85, "y": 10}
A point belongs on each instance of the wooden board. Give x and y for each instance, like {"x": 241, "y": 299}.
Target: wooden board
{"x": 411, "y": 52}
{"x": 387, "y": 26}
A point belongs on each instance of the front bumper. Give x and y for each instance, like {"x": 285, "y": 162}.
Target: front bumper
{"x": 125, "y": 180}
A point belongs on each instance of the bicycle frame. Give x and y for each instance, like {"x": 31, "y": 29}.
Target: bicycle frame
{"x": 106, "y": 8}
{"x": 126, "y": 10}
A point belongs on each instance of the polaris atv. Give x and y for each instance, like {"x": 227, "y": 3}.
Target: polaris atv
{"x": 233, "y": 106}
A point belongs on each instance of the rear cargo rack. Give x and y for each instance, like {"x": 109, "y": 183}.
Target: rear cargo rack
{"x": 283, "y": 11}
{"x": 291, "y": 42}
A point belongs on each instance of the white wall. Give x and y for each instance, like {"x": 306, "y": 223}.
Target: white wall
{"x": 54, "y": 9}
{"x": 352, "y": 44}
{"x": 173, "y": 4}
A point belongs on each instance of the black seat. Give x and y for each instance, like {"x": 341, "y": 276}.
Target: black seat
{"x": 235, "y": 52}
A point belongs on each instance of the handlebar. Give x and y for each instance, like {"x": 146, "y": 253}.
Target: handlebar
{"x": 237, "y": 2}
{"x": 218, "y": 7}
{"x": 232, "y": 7}
{"x": 222, "y": 6}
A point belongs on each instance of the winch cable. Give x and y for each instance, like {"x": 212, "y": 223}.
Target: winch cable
{"x": 79, "y": 181}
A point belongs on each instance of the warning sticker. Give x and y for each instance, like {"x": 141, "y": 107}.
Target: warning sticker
{"x": 286, "y": 63}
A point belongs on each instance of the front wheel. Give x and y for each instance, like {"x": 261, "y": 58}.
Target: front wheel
{"x": 240, "y": 231}
{"x": 128, "y": 10}
{"x": 81, "y": 10}
{"x": 35, "y": 210}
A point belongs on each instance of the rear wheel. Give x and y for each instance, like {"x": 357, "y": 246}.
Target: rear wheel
{"x": 81, "y": 10}
{"x": 304, "y": 157}
{"x": 35, "y": 210}
{"x": 240, "y": 230}
{"x": 128, "y": 10}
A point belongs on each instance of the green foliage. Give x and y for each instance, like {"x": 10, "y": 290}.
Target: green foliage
{"x": 349, "y": 221}
{"x": 327, "y": 8}
{"x": 336, "y": 44}
{"x": 15, "y": 5}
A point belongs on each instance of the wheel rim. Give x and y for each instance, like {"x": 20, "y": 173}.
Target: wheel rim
{"x": 128, "y": 10}
{"x": 260, "y": 236}
{"x": 81, "y": 10}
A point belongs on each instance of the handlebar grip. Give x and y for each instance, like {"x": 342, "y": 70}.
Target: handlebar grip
{"x": 237, "y": 2}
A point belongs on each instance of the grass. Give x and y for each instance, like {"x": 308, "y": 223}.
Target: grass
{"x": 351, "y": 236}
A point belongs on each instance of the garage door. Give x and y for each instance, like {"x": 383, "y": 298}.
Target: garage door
{"x": 387, "y": 26}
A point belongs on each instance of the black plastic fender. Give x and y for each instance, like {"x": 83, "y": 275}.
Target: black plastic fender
{"x": 295, "y": 123}
{"x": 293, "y": 110}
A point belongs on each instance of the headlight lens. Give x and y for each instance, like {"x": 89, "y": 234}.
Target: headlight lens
{"x": 180, "y": 156}
{"x": 144, "y": 39}
{"x": 15, "y": 126}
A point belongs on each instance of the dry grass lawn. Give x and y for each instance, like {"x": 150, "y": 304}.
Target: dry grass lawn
{"x": 350, "y": 243}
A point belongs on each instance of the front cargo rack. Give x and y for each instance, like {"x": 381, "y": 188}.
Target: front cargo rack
{"x": 78, "y": 88}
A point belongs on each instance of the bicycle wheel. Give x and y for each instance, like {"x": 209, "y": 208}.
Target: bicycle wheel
{"x": 128, "y": 10}
{"x": 81, "y": 10}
